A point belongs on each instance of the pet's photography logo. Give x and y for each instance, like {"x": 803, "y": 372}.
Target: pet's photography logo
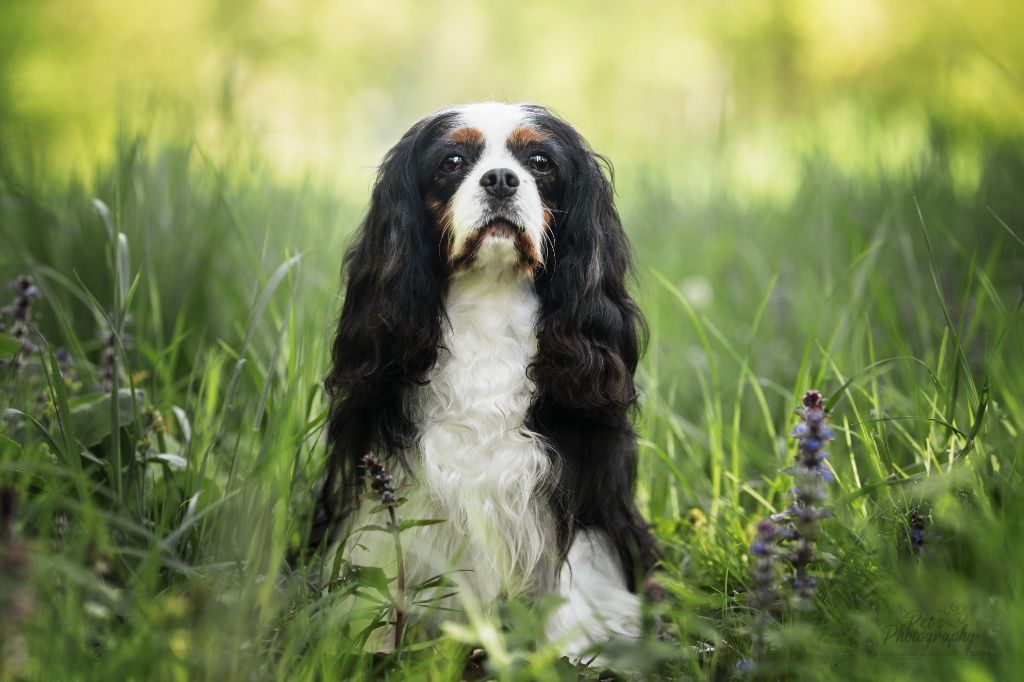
{"x": 945, "y": 630}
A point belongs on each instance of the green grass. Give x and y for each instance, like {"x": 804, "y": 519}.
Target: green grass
{"x": 898, "y": 297}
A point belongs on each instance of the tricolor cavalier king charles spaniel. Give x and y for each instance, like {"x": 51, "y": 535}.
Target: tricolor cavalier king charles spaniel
{"x": 485, "y": 351}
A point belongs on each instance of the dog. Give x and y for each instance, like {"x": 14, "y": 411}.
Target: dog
{"x": 485, "y": 352}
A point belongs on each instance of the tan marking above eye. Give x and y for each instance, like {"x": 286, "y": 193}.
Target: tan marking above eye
{"x": 522, "y": 137}
{"x": 467, "y": 135}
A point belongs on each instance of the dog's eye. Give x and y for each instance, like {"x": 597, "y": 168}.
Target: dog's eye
{"x": 539, "y": 163}
{"x": 452, "y": 163}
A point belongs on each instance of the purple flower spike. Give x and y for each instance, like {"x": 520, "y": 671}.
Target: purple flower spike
{"x": 20, "y": 317}
{"x": 810, "y": 490}
{"x": 790, "y": 535}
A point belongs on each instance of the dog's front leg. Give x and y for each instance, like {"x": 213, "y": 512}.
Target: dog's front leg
{"x": 598, "y": 606}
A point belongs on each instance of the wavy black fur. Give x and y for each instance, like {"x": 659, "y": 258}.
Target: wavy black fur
{"x": 589, "y": 340}
{"x": 389, "y": 328}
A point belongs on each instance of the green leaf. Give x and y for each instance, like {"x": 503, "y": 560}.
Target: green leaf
{"x": 173, "y": 461}
{"x": 65, "y": 424}
{"x": 374, "y": 527}
{"x": 9, "y": 346}
{"x": 413, "y": 523}
{"x": 374, "y": 578}
{"x": 92, "y": 422}
{"x": 441, "y": 580}
{"x": 6, "y": 442}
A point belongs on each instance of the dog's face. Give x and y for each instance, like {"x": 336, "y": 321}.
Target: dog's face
{"x": 492, "y": 178}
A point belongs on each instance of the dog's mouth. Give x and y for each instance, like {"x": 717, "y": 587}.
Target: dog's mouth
{"x": 524, "y": 255}
{"x": 499, "y": 227}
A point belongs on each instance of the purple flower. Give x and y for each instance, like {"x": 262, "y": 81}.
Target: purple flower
{"x": 810, "y": 444}
{"x": 746, "y": 667}
{"x": 21, "y": 317}
{"x": 917, "y": 531}
{"x": 810, "y": 489}
{"x": 813, "y": 399}
{"x": 764, "y": 593}
{"x": 789, "y": 536}
{"x": 380, "y": 480}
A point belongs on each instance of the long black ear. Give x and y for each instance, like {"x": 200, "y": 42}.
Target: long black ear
{"x": 591, "y": 330}
{"x": 388, "y": 331}
{"x": 589, "y": 341}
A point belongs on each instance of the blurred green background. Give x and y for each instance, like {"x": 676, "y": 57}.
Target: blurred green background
{"x": 691, "y": 88}
{"x": 819, "y": 194}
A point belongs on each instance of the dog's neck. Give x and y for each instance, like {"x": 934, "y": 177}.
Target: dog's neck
{"x": 495, "y": 303}
{"x": 477, "y": 458}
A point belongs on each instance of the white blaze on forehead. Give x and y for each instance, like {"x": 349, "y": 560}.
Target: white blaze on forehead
{"x": 495, "y": 120}
{"x": 470, "y": 206}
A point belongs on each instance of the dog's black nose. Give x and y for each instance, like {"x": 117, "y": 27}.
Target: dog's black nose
{"x": 500, "y": 182}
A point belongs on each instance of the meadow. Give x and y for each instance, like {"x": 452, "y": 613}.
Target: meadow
{"x": 166, "y": 333}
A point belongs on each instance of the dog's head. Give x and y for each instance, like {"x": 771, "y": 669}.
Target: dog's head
{"x": 493, "y": 184}
{"x": 505, "y": 188}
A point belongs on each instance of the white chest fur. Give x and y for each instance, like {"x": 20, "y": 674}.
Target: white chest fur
{"x": 475, "y": 465}
{"x": 481, "y": 467}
